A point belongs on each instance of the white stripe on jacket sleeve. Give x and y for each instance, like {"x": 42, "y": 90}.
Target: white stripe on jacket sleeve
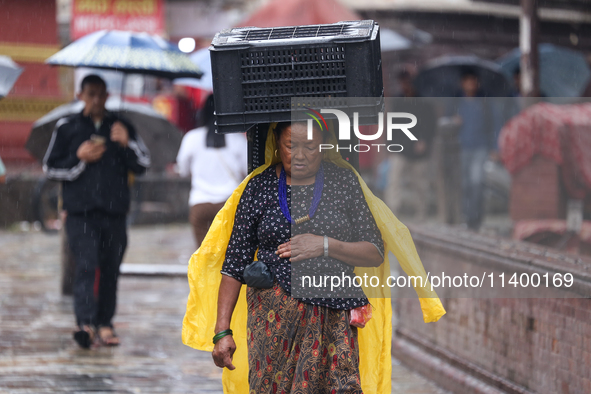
{"x": 61, "y": 174}
{"x": 141, "y": 151}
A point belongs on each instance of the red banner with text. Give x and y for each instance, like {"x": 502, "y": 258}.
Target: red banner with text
{"x": 89, "y": 16}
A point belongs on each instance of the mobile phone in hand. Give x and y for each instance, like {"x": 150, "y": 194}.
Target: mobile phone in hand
{"x": 98, "y": 139}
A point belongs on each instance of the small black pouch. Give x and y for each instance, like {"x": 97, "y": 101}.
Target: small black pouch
{"x": 257, "y": 274}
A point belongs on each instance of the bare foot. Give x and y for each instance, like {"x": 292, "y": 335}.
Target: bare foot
{"x": 107, "y": 336}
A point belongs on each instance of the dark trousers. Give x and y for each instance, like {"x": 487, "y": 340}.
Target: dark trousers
{"x": 201, "y": 216}
{"x": 97, "y": 242}
{"x": 473, "y": 161}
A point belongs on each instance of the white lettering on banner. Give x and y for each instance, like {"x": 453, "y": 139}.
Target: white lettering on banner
{"x": 95, "y": 22}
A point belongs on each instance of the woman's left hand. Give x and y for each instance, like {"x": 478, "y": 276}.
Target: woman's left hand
{"x": 302, "y": 247}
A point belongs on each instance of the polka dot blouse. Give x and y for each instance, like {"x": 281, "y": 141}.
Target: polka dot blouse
{"x": 342, "y": 214}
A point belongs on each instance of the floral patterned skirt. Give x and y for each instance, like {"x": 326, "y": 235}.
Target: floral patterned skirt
{"x": 295, "y": 347}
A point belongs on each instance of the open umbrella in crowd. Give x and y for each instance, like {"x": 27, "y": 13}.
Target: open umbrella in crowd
{"x": 9, "y": 73}
{"x": 563, "y": 72}
{"x": 128, "y": 52}
{"x": 441, "y": 77}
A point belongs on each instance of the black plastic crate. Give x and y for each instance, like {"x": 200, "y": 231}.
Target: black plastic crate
{"x": 256, "y": 71}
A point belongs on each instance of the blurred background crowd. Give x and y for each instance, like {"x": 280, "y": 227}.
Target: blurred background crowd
{"x": 436, "y": 48}
{"x": 501, "y": 87}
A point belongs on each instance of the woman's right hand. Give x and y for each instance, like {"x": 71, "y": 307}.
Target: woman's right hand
{"x": 224, "y": 349}
{"x": 223, "y": 352}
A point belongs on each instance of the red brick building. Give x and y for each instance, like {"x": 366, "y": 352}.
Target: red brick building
{"x": 28, "y": 34}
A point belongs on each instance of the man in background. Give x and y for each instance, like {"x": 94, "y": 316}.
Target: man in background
{"x": 92, "y": 153}
{"x": 477, "y": 144}
{"x": 409, "y": 169}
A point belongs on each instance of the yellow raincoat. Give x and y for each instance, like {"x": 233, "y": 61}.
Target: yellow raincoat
{"x": 375, "y": 339}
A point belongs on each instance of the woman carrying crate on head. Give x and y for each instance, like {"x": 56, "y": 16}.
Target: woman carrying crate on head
{"x": 266, "y": 339}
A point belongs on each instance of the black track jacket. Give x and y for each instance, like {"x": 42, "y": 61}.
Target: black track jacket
{"x": 100, "y": 186}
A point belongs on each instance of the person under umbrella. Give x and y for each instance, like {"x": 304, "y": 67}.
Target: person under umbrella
{"x": 91, "y": 153}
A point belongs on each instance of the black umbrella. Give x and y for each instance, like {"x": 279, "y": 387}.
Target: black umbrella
{"x": 161, "y": 137}
{"x": 441, "y": 77}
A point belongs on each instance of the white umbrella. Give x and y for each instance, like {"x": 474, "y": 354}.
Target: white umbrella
{"x": 128, "y": 52}
{"x": 202, "y": 60}
{"x": 393, "y": 41}
{"x": 9, "y": 73}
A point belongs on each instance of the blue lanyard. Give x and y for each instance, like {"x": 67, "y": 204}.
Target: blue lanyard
{"x": 318, "y": 187}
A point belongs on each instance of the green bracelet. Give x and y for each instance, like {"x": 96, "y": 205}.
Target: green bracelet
{"x": 220, "y": 335}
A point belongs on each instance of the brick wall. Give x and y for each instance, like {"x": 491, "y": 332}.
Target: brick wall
{"x": 536, "y": 345}
{"x": 28, "y": 34}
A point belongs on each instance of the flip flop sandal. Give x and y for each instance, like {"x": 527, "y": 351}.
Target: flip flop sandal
{"x": 84, "y": 338}
{"x": 106, "y": 340}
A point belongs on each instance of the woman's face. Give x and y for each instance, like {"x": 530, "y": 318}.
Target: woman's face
{"x": 301, "y": 157}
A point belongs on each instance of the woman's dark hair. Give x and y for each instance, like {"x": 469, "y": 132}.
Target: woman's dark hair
{"x": 213, "y": 139}
{"x": 281, "y": 126}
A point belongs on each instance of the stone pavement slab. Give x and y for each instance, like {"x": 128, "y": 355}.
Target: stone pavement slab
{"x": 38, "y": 355}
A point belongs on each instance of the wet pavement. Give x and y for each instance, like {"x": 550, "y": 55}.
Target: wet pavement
{"x": 38, "y": 355}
